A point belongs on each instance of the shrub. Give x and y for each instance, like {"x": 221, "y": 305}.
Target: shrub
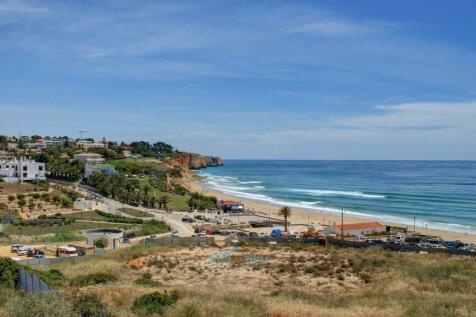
{"x": 38, "y": 306}
{"x": 89, "y": 305}
{"x": 101, "y": 243}
{"x": 153, "y": 303}
{"x": 52, "y": 277}
{"x": 93, "y": 279}
{"x": 9, "y": 275}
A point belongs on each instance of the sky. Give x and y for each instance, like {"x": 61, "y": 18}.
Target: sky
{"x": 246, "y": 79}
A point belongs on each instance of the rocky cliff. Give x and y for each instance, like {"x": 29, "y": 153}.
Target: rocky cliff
{"x": 196, "y": 161}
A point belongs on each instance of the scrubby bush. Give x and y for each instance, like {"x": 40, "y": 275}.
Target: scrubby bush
{"x": 89, "y": 305}
{"x": 9, "y": 275}
{"x": 93, "y": 279}
{"x": 38, "y": 306}
{"x": 153, "y": 303}
{"x": 101, "y": 243}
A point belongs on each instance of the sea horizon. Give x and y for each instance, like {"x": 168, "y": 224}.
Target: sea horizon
{"x": 440, "y": 194}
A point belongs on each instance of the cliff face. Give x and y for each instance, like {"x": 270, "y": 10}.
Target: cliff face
{"x": 197, "y": 161}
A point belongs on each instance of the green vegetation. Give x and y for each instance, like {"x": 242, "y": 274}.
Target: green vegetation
{"x": 153, "y": 303}
{"x": 8, "y": 273}
{"x": 88, "y": 305}
{"x": 202, "y": 202}
{"x": 135, "y": 212}
{"x": 159, "y": 149}
{"x": 55, "y": 228}
{"x": 93, "y": 279}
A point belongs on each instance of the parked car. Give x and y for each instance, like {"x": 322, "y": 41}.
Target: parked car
{"x": 276, "y": 233}
{"x": 253, "y": 235}
{"x": 15, "y": 247}
{"x": 187, "y": 219}
{"x": 23, "y": 251}
{"x": 39, "y": 256}
{"x": 360, "y": 238}
{"x": 126, "y": 240}
{"x": 467, "y": 247}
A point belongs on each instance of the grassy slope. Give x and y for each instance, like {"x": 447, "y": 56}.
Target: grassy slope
{"x": 399, "y": 285}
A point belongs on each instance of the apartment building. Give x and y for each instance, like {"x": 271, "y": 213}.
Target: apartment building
{"x": 14, "y": 170}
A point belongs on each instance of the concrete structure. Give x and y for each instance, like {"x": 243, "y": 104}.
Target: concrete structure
{"x": 83, "y": 204}
{"x": 14, "y": 170}
{"x": 353, "y": 229}
{"x": 112, "y": 236}
{"x": 91, "y": 158}
{"x": 90, "y": 168}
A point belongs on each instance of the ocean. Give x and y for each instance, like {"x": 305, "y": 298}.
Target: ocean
{"x": 439, "y": 194}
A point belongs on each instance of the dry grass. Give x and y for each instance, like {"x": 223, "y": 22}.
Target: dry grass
{"x": 297, "y": 281}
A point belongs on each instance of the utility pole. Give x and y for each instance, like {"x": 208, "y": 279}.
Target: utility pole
{"x": 342, "y": 225}
{"x": 81, "y": 137}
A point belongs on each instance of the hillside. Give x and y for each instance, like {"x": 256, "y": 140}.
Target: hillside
{"x": 278, "y": 281}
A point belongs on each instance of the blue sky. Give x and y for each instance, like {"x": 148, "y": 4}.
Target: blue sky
{"x": 246, "y": 79}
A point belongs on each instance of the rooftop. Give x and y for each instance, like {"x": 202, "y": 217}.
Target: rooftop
{"x": 361, "y": 225}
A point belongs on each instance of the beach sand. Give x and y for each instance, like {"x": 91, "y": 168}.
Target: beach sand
{"x": 316, "y": 217}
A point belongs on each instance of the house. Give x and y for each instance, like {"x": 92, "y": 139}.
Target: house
{"x": 3, "y": 154}
{"x": 90, "y": 168}
{"x": 12, "y": 146}
{"x": 87, "y": 144}
{"x": 14, "y": 170}
{"x": 353, "y": 229}
{"x": 92, "y": 158}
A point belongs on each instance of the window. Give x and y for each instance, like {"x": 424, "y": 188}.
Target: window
{"x": 25, "y": 174}
{"x": 25, "y": 168}
{"x": 40, "y": 168}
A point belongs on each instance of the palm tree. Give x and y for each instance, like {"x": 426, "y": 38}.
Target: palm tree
{"x": 285, "y": 211}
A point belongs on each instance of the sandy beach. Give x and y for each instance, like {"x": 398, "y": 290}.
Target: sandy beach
{"x": 316, "y": 217}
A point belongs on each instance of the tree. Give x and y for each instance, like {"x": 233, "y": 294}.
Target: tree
{"x": 285, "y": 211}
{"x": 21, "y": 203}
{"x": 164, "y": 201}
{"x": 11, "y": 198}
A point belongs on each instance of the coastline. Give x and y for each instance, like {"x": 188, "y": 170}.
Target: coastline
{"x": 304, "y": 216}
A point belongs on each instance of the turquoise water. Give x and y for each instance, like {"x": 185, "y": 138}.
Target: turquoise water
{"x": 440, "y": 194}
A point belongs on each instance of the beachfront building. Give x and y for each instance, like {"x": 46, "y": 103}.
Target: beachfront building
{"x": 14, "y": 170}
{"x": 91, "y": 158}
{"x": 230, "y": 206}
{"x": 91, "y": 168}
{"x": 353, "y": 229}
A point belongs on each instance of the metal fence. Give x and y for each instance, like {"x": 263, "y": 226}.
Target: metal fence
{"x": 53, "y": 261}
{"x": 33, "y": 284}
{"x": 181, "y": 241}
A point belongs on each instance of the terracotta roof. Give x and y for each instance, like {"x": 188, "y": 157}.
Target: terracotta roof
{"x": 361, "y": 226}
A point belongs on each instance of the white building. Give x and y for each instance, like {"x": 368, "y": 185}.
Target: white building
{"x": 86, "y": 144}
{"x": 14, "y": 170}
{"x": 91, "y": 158}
